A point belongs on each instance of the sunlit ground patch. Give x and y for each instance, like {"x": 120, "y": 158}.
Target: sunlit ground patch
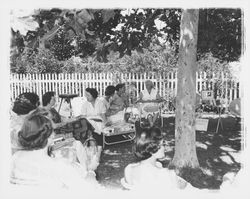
{"x": 113, "y": 163}
{"x": 201, "y": 145}
{"x": 207, "y": 171}
{"x": 235, "y": 139}
{"x": 226, "y": 159}
{"x": 228, "y": 149}
{"x": 108, "y": 152}
{"x": 208, "y": 143}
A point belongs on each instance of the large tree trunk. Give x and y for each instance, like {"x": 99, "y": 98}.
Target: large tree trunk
{"x": 185, "y": 148}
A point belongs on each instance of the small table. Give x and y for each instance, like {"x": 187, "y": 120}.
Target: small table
{"x": 127, "y": 132}
{"x": 67, "y": 98}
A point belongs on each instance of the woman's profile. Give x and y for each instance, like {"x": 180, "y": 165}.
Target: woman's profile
{"x": 148, "y": 171}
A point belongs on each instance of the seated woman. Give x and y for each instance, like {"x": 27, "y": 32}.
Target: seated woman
{"x": 109, "y": 93}
{"x": 150, "y": 99}
{"x": 75, "y": 144}
{"x": 34, "y": 166}
{"x": 94, "y": 110}
{"x": 148, "y": 171}
{"x": 24, "y": 104}
{"x": 115, "y": 112}
{"x": 49, "y": 101}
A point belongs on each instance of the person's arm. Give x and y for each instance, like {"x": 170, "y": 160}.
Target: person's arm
{"x": 103, "y": 116}
{"x": 84, "y": 110}
{"x": 158, "y": 98}
{"x": 140, "y": 98}
{"x": 128, "y": 175}
{"x": 102, "y": 110}
{"x": 125, "y": 98}
{"x": 81, "y": 153}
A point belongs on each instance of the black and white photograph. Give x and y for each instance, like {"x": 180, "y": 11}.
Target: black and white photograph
{"x": 124, "y": 100}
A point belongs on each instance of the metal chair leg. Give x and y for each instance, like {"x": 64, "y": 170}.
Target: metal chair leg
{"x": 219, "y": 122}
{"x": 70, "y": 107}
{"x": 60, "y": 105}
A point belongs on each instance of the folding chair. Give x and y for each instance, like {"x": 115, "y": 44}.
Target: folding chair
{"x": 207, "y": 99}
{"x": 167, "y": 109}
{"x": 146, "y": 110}
{"x": 77, "y": 103}
{"x": 207, "y": 96}
{"x": 235, "y": 109}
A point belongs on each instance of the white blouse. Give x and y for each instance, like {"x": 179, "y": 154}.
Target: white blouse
{"x": 89, "y": 110}
{"x": 149, "y": 96}
{"x": 37, "y": 168}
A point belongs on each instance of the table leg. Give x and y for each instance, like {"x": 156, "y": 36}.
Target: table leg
{"x": 60, "y": 105}
{"x": 70, "y": 107}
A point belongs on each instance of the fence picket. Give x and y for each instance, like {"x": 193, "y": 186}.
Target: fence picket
{"x": 166, "y": 83}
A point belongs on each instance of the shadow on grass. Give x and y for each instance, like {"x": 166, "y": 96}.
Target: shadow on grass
{"x": 217, "y": 154}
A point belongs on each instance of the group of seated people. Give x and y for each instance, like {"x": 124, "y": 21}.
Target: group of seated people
{"x": 33, "y": 131}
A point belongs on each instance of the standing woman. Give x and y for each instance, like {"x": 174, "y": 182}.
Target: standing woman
{"x": 94, "y": 110}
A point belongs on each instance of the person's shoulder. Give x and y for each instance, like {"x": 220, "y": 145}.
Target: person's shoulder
{"x": 131, "y": 167}
{"x": 86, "y": 103}
{"x": 101, "y": 101}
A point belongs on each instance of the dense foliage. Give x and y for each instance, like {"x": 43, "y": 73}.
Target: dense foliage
{"x": 132, "y": 40}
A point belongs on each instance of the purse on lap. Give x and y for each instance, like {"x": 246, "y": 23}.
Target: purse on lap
{"x": 80, "y": 129}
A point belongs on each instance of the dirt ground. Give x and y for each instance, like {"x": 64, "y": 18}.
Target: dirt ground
{"x": 217, "y": 154}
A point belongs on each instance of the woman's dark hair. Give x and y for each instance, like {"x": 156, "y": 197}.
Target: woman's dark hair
{"x": 110, "y": 90}
{"x": 119, "y": 86}
{"x": 147, "y": 143}
{"x": 35, "y": 132}
{"x": 92, "y": 91}
{"x": 46, "y": 98}
{"x": 25, "y": 103}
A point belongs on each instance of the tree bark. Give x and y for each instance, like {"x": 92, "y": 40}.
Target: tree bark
{"x": 185, "y": 148}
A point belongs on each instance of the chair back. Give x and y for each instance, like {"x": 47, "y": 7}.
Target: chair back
{"x": 207, "y": 95}
{"x": 76, "y": 104}
{"x": 235, "y": 107}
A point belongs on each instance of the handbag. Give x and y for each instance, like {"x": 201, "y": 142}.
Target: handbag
{"x": 80, "y": 128}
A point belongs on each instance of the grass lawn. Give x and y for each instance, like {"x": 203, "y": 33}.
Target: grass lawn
{"x": 217, "y": 154}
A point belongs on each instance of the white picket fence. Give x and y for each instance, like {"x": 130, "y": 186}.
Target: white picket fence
{"x": 166, "y": 83}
